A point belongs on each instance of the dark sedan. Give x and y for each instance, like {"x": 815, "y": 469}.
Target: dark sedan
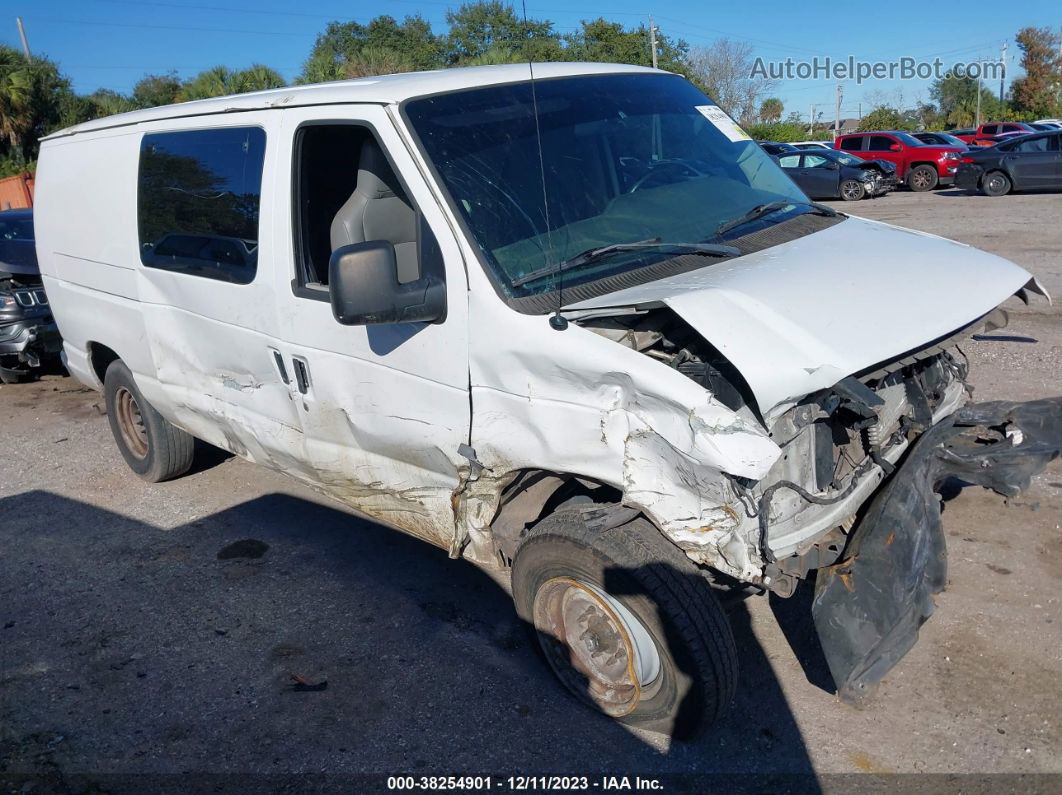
{"x": 831, "y": 174}
{"x": 775, "y": 148}
{"x": 1031, "y": 162}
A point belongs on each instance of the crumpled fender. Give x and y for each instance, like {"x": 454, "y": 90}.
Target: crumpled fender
{"x": 869, "y": 606}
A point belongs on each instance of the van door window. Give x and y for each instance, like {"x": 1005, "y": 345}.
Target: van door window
{"x": 198, "y": 195}
{"x": 880, "y": 143}
{"x": 853, "y": 144}
{"x": 346, "y": 192}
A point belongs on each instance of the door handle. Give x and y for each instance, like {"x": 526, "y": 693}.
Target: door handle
{"x": 302, "y": 374}
{"x": 278, "y": 362}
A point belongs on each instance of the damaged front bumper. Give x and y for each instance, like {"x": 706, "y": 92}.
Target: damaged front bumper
{"x": 868, "y": 606}
{"x": 26, "y": 343}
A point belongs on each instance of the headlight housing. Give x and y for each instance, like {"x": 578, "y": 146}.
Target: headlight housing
{"x": 951, "y": 155}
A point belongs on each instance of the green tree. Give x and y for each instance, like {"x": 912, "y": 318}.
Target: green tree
{"x": 884, "y": 117}
{"x": 30, "y": 102}
{"x": 257, "y": 77}
{"x": 601, "y": 40}
{"x": 105, "y": 102}
{"x": 771, "y": 110}
{"x": 956, "y": 97}
{"x": 350, "y": 49}
{"x": 155, "y": 90}
{"x": 1038, "y": 90}
{"x": 221, "y": 81}
{"x": 490, "y": 26}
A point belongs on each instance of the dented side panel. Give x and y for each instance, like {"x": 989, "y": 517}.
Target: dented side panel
{"x": 578, "y": 403}
{"x": 387, "y": 409}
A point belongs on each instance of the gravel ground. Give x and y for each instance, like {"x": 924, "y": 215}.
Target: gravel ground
{"x": 136, "y": 639}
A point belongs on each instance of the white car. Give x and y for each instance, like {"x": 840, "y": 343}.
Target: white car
{"x": 580, "y": 331}
{"x": 812, "y": 144}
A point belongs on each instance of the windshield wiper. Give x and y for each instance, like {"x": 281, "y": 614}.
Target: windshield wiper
{"x": 761, "y": 210}
{"x": 595, "y": 254}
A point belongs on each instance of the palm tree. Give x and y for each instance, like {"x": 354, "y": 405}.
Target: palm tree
{"x": 16, "y": 95}
{"x": 30, "y": 92}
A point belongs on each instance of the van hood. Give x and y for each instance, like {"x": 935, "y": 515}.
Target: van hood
{"x": 800, "y": 316}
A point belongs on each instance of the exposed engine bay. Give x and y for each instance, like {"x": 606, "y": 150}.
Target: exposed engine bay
{"x": 837, "y": 444}
{"x": 841, "y": 501}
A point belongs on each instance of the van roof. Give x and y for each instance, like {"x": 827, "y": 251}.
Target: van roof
{"x": 383, "y": 90}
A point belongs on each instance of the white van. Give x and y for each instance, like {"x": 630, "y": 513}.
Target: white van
{"x": 576, "y": 328}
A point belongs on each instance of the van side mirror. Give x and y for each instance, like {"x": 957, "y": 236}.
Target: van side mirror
{"x": 363, "y": 287}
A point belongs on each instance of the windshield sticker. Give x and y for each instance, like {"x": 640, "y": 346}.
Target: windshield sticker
{"x": 722, "y": 122}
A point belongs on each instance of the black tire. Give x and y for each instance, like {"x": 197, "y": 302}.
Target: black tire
{"x": 852, "y": 190}
{"x": 922, "y": 178}
{"x": 155, "y": 449}
{"x": 663, "y": 590}
{"x": 995, "y": 183}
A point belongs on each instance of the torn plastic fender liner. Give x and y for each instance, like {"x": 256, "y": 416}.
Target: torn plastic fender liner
{"x": 868, "y": 608}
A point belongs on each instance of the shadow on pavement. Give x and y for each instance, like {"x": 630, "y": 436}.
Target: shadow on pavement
{"x": 130, "y": 649}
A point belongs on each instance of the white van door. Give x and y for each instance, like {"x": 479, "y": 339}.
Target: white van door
{"x": 384, "y": 408}
{"x": 206, "y": 282}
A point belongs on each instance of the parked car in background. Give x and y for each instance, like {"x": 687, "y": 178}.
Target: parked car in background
{"x": 775, "y": 148}
{"x": 812, "y": 144}
{"x": 829, "y": 174}
{"x": 992, "y": 140}
{"x": 1031, "y": 162}
{"x": 28, "y": 334}
{"x": 921, "y": 166}
{"x": 1056, "y": 123}
{"x": 940, "y": 139}
{"x": 963, "y": 131}
{"x": 991, "y": 128}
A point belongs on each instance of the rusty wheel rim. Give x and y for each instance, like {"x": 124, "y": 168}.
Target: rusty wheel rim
{"x": 131, "y": 423}
{"x": 595, "y": 645}
{"x": 921, "y": 179}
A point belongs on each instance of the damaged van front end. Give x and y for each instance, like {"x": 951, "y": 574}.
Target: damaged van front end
{"x": 713, "y": 423}
{"x": 684, "y": 343}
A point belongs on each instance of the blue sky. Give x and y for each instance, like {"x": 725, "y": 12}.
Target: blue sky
{"x": 112, "y": 43}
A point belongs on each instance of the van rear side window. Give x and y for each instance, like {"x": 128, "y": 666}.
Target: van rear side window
{"x": 198, "y": 194}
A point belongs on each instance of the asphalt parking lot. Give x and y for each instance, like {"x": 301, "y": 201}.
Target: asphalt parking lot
{"x": 138, "y": 636}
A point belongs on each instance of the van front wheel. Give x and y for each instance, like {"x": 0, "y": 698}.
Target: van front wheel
{"x": 152, "y": 447}
{"x": 627, "y": 623}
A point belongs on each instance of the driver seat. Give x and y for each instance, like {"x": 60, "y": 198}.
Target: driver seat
{"x": 378, "y": 210}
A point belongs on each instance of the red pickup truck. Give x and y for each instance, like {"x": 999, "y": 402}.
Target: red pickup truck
{"x": 921, "y": 166}
{"x": 988, "y": 129}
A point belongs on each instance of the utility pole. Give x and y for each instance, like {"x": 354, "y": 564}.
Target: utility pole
{"x": 977, "y": 115}
{"x": 837, "y": 110}
{"x": 1002, "y": 71}
{"x": 652, "y": 39}
{"x": 22, "y": 35}
{"x": 811, "y": 119}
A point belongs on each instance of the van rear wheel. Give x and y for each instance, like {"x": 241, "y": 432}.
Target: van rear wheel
{"x": 152, "y": 447}
{"x": 627, "y": 623}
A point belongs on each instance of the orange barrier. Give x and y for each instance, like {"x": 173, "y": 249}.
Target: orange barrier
{"x": 16, "y": 192}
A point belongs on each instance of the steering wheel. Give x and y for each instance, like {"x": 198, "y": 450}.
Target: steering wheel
{"x": 674, "y": 164}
